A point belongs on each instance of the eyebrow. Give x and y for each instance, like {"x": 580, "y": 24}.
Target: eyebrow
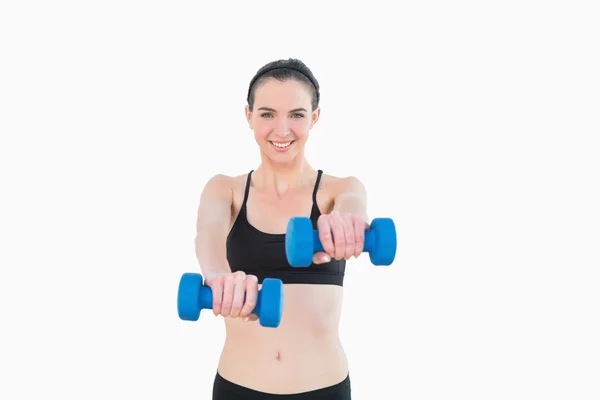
{"x": 294, "y": 110}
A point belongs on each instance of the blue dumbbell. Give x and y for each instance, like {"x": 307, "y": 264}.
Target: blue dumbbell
{"x": 302, "y": 241}
{"x": 193, "y": 296}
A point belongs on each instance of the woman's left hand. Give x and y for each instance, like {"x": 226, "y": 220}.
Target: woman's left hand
{"x": 342, "y": 235}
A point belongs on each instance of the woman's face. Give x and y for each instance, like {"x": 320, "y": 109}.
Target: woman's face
{"x": 281, "y": 119}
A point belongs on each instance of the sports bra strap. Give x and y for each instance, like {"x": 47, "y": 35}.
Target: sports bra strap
{"x": 314, "y": 196}
{"x": 247, "y": 190}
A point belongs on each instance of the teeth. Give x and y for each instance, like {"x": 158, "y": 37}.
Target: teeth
{"x": 281, "y": 145}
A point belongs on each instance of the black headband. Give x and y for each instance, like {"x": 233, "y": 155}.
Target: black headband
{"x": 258, "y": 75}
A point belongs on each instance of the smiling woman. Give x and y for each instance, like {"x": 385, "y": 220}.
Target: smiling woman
{"x": 241, "y": 241}
{"x": 283, "y": 115}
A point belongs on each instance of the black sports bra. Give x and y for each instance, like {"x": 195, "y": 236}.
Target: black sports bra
{"x": 263, "y": 254}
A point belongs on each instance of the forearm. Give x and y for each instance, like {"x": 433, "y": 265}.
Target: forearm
{"x": 211, "y": 254}
{"x": 352, "y": 198}
{"x": 353, "y": 204}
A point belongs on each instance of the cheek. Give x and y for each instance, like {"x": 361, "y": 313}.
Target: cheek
{"x": 261, "y": 127}
{"x": 301, "y": 126}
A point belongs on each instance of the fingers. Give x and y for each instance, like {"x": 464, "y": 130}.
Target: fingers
{"x": 359, "y": 235}
{"x": 339, "y": 236}
{"x": 228, "y": 292}
{"x": 342, "y": 236}
{"x": 239, "y": 294}
{"x": 324, "y": 227}
{"x": 321, "y": 257}
{"x": 349, "y": 233}
{"x": 216, "y": 285}
{"x": 251, "y": 288}
{"x": 234, "y": 295}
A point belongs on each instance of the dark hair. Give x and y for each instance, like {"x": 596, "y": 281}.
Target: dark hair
{"x": 285, "y": 70}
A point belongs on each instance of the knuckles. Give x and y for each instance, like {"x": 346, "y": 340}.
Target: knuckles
{"x": 348, "y": 234}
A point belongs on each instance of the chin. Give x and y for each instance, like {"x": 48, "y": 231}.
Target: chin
{"x": 283, "y": 158}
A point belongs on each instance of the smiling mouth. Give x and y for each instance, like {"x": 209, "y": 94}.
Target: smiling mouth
{"x": 282, "y": 145}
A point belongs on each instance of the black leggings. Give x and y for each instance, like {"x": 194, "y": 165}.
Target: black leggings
{"x": 226, "y": 390}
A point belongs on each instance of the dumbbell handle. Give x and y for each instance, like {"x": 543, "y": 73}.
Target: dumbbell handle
{"x": 369, "y": 244}
{"x": 205, "y": 299}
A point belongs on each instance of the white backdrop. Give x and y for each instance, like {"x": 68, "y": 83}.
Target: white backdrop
{"x": 473, "y": 125}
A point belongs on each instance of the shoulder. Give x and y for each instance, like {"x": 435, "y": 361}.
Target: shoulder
{"x": 219, "y": 185}
{"x": 343, "y": 185}
{"x": 219, "y": 182}
{"x": 224, "y": 186}
{"x": 226, "y": 181}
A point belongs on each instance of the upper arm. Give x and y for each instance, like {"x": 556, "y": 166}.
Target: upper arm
{"x": 214, "y": 216}
{"x": 216, "y": 200}
{"x": 351, "y": 196}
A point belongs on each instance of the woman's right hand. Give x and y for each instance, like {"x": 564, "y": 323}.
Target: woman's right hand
{"x": 234, "y": 295}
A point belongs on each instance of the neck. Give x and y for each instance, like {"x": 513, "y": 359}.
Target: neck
{"x": 281, "y": 178}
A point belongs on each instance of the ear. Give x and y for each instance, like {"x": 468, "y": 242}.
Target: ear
{"x": 249, "y": 116}
{"x": 315, "y": 117}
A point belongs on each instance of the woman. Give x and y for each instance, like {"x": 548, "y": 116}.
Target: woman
{"x": 241, "y": 240}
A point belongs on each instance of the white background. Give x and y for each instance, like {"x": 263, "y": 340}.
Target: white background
{"x": 474, "y": 125}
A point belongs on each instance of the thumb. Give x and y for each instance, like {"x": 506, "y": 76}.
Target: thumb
{"x": 321, "y": 257}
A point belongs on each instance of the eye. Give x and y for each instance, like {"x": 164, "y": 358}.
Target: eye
{"x": 266, "y": 115}
{"x": 298, "y": 115}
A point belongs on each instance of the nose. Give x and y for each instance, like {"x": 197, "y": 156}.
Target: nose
{"x": 282, "y": 128}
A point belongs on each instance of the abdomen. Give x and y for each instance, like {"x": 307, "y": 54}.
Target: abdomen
{"x": 304, "y": 353}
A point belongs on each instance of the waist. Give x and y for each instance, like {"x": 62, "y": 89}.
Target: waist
{"x": 304, "y": 353}
{"x": 287, "y": 364}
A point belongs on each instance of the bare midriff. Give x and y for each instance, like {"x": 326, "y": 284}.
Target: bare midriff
{"x": 303, "y": 353}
